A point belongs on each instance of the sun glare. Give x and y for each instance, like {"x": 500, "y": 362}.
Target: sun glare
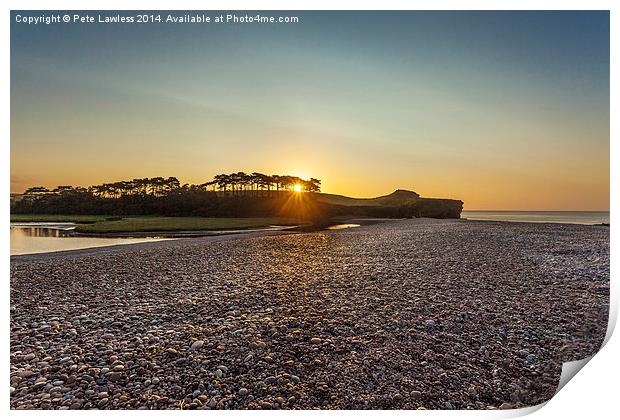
{"x": 297, "y": 188}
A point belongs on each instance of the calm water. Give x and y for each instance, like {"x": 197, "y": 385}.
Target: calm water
{"x": 343, "y": 226}
{"x": 35, "y": 238}
{"x": 574, "y": 217}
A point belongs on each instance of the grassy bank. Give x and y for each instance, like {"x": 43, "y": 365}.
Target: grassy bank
{"x": 174, "y": 224}
{"x": 51, "y": 218}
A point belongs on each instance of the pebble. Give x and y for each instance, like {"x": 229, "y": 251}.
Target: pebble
{"x": 196, "y": 345}
{"x": 115, "y": 376}
{"x": 25, "y": 374}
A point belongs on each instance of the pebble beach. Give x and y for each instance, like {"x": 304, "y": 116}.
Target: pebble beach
{"x": 407, "y": 314}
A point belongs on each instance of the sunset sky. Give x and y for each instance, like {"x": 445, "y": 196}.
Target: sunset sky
{"x": 503, "y": 110}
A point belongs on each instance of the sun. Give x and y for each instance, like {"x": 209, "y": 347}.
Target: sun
{"x": 297, "y": 188}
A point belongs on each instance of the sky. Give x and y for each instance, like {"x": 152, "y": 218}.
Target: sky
{"x": 503, "y": 110}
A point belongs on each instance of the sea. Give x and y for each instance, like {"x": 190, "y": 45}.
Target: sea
{"x": 572, "y": 217}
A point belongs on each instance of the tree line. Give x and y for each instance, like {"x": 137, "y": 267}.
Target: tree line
{"x": 238, "y": 183}
{"x": 226, "y": 195}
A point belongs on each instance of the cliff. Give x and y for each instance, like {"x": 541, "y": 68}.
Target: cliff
{"x": 400, "y": 203}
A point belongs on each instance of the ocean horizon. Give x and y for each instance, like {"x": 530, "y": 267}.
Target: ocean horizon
{"x": 571, "y": 217}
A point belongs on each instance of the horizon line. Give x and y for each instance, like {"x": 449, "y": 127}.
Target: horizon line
{"x": 545, "y": 211}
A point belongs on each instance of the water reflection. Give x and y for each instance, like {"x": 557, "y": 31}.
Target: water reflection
{"x": 42, "y": 232}
{"x": 35, "y": 238}
{"x": 343, "y": 226}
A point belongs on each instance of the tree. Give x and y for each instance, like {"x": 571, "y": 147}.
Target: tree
{"x": 222, "y": 181}
{"x": 241, "y": 180}
{"x": 169, "y": 185}
{"x": 314, "y": 185}
{"x": 36, "y": 191}
{"x": 62, "y": 189}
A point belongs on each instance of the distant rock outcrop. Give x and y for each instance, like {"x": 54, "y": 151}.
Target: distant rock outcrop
{"x": 400, "y": 203}
{"x": 398, "y": 197}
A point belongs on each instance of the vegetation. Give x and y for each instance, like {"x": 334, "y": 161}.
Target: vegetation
{"x": 227, "y": 195}
{"x": 233, "y": 184}
{"x": 437, "y": 208}
{"x": 172, "y": 224}
{"x": 51, "y": 218}
{"x": 236, "y": 195}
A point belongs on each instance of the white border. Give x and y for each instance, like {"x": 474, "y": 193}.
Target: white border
{"x": 593, "y": 393}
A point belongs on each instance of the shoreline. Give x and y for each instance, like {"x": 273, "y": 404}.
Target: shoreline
{"x": 179, "y": 234}
{"x": 253, "y": 233}
{"x": 536, "y": 222}
{"x": 184, "y": 237}
{"x": 139, "y": 246}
